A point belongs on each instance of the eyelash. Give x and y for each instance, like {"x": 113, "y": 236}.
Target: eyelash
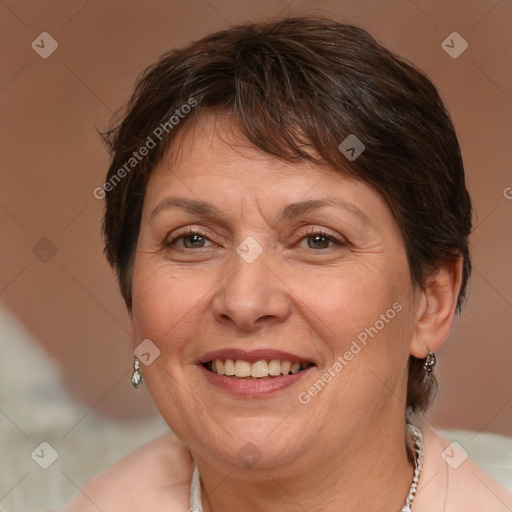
{"x": 186, "y": 234}
{"x": 320, "y": 232}
{"x": 311, "y": 232}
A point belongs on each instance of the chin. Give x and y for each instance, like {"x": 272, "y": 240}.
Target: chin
{"x": 245, "y": 443}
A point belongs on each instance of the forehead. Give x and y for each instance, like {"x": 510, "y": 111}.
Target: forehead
{"x": 210, "y": 159}
{"x": 214, "y": 142}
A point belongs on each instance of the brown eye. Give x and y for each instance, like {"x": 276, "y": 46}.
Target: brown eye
{"x": 191, "y": 240}
{"x": 319, "y": 241}
{"x": 195, "y": 240}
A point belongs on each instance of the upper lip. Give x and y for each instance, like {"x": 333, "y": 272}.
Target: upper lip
{"x": 251, "y": 355}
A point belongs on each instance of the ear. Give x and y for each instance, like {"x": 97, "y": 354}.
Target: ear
{"x": 436, "y": 309}
{"x": 131, "y": 326}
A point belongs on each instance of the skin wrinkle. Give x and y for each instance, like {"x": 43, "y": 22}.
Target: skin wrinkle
{"x": 203, "y": 208}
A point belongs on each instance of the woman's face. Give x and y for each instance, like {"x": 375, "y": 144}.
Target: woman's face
{"x": 257, "y": 263}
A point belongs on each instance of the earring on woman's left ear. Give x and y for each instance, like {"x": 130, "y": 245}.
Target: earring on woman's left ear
{"x": 430, "y": 361}
{"x": 137, "y": 379}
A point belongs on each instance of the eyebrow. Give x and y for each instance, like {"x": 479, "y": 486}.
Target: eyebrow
{"x": 290, "y": 211}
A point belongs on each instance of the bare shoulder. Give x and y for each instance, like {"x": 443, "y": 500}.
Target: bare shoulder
{"x": 460, "y": 484}
{"x": 473, "y": 489}
{"x": 153, "y": 477}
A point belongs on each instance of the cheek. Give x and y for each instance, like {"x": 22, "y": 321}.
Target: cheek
{"x": 365, "y": 325}
{"x": 164, "y": 306}
{"x": 364, "y": 302}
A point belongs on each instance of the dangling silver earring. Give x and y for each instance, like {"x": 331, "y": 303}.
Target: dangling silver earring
{"x": 430, "y": 361}
{"x": 137, "y": 379}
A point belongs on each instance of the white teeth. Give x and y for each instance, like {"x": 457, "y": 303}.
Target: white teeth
{"x": 219, "y": 366}
{"x": 274, "y": 367}
{"x": 242, "y": 368}
{"x": 229, "y": 367}
{"x": 258, "y": 369}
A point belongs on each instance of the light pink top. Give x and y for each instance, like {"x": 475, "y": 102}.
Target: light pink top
{"x": 157, "y": 477}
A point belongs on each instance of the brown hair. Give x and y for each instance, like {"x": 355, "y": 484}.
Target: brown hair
{"x": 296, "y": 88}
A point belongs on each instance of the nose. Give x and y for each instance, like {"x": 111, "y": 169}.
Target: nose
{"x": 251, "y": 295}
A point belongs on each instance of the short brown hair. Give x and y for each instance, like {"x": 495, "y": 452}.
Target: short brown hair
{"x": 297, "y": 88}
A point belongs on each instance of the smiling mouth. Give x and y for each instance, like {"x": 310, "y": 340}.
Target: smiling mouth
{"x": 261, "y": 369}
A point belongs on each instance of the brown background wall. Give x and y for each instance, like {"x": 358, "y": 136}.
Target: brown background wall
{"x": 52, "y": 159}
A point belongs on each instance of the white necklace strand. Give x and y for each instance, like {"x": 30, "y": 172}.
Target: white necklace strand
{"x": 418, "y": 449}
{"x": 418, "y": 452}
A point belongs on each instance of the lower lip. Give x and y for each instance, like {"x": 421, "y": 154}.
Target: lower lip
{"x": 253, "y": 387}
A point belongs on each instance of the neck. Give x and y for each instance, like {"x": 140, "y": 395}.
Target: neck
{"x": 374, "y": 474}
